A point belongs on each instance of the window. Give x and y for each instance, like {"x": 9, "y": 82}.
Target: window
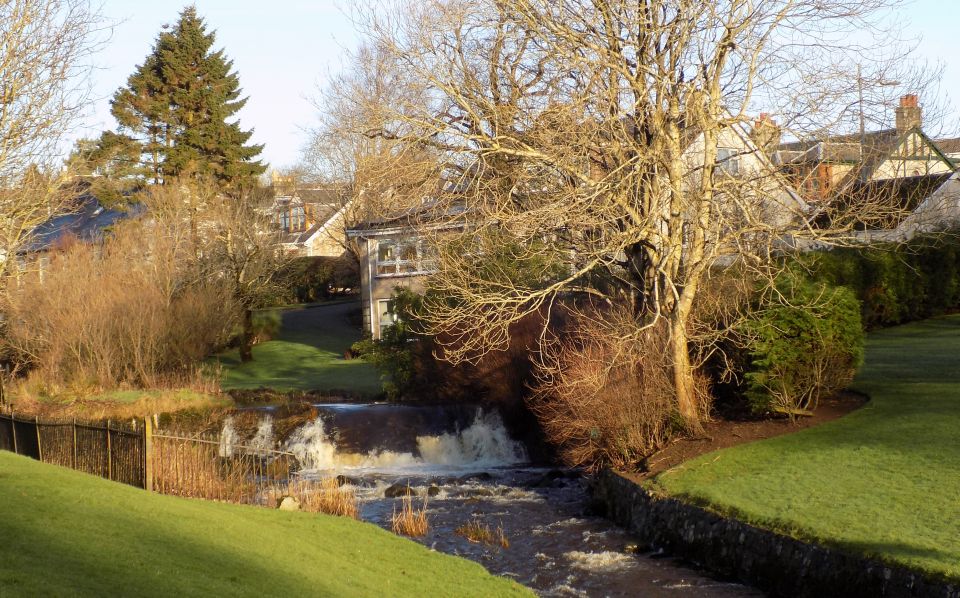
{"x": 285, "y": 221}
{"x": 399, "y": 257}
{"x": 385, "y": 315}
{"x": 298, "y": 218}
{"x": 728, "y": 160}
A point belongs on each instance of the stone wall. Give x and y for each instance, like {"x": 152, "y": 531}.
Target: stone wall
{"x": 772, "y": 562}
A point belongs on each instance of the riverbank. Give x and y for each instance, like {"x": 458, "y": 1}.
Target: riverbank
{"x": 66, "y": 533}
{"x": 879, "y": 485}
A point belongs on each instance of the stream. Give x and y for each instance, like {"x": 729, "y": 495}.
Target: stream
{"x": 461, "y": 463}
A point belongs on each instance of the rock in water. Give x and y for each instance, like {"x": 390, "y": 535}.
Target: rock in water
{"x": 289, "y": 503}
{"x": 398, "y": 490}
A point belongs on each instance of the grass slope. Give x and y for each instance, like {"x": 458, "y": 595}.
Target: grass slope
{"x": 307, "y": 355}
{"x": 66, "y": 533}
{"x": 884, "y": 480}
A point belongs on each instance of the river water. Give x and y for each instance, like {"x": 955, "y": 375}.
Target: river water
{"x": 460, "y": 463}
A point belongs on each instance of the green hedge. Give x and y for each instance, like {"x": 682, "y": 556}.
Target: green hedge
{"x": 895, "y": 283}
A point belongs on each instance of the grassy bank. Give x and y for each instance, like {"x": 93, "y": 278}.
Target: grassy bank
{"x": 66, "y": 533}
{"x": 884, "y": 480}
{"x": 307, "y": 355}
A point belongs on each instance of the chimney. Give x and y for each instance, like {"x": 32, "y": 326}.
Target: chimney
{"x": 765, "y": 133}
{"x": 909, "y": 113}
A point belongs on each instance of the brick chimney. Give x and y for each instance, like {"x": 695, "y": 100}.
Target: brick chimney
{"x": 765, "y": 133}
{"x": 909, "y": 113}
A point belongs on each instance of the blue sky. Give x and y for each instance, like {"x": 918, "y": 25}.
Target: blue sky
{"x": 284, "y": 49}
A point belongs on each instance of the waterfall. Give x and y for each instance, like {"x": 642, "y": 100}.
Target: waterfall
{"x": 262, "y": 441}
{"x": 228, "y": 438}
{"x": 484, "y": 443}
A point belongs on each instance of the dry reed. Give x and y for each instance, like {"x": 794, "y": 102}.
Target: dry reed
{"x": 194, "y": 468}
{"x": 323, "y": 496}
{"x": 410, "y": 521}
{"x": 480, "y": 533}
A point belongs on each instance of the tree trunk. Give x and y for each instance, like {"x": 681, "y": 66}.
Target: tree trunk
{"x": 683, "y": 379}
{"x": 246, "y": 337}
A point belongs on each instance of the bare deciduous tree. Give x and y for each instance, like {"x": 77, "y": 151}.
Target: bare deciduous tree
{"x": 44, "y": 45}
{"x": 608, "y": 138}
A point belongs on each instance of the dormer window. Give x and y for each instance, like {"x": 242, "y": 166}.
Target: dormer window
{"x": 293, "y": 219}
{"x": 728, "y": 160}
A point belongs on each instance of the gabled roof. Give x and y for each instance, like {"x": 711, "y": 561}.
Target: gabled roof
{"x": 868, "y": 151}
{"x": 892, "y": 200}
{"x": 88, "y": 222}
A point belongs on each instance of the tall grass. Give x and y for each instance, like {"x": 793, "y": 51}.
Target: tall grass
{"x": 480, "y": 533}
{"x": 323, "y": 496}
{"x": 410, "y": 521}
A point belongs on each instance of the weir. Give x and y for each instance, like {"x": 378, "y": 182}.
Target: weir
{"x": 463, "y": 466}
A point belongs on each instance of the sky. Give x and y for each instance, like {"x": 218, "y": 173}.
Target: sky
{"x": 284, "y": 51}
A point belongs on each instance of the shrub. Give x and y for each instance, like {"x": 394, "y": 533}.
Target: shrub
{"x": 266, "y": 324}
{"x": 605, "y": 394}
{"x": 393, "y": 352}
{"x": 895, "y": 283}
{"x": 308, "y": 279}
{"x": 126, "y": 312}
{"x": 805, "y": 341}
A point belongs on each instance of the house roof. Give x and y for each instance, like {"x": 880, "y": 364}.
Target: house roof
{"x": 89, "y": 221}
{"x": 431, "y": 214}
{"x": 892, "y": 200}
{"x": 949, "y": 146}
{"x": 868, "y": 151}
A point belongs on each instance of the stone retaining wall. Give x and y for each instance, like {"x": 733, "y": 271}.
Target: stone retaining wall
{"x": 774, "y": 563}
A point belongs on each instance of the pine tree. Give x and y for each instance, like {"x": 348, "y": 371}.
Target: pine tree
{"x": 178, "y": 103}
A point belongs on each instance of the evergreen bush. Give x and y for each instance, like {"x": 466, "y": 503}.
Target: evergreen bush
{"x": 804, "y": 341}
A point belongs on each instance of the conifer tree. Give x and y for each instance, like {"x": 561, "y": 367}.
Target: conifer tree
{"x": 177, "y": 104}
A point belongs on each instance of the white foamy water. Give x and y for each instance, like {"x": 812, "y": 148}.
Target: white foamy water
{"x": 228, "y": 438}
{"x": 606, "y": 561}
{"x": 262, "y": 441}
{"x": 484, "y": 443}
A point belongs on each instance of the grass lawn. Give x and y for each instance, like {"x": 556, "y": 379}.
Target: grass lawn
{"x": 307, "y": 355}
{"x": 884, "y": 480}
{"x": 67, "y": 533}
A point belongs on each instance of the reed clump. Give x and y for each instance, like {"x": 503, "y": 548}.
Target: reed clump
{"x": 480, "y": 533}
{"x": 410, "y": 521}
{"x": 323, "y": 496}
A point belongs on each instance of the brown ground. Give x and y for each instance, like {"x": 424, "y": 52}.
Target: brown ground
{"x": 723, "y": 433}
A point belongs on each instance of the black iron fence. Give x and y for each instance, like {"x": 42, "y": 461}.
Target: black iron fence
{"x": 133, "y": 453}
{"x": 113, "y": 450}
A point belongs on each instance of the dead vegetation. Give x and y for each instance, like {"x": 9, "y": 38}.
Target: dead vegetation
{"x": 410, "y": 521}
{"x": 480, "y": 533}
{"x": 605, "y": 392}
{"x": 322, "y": 496}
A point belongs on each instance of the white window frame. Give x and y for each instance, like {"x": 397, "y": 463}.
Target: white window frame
{"x": 386, "y": 316}
{"x": 416, "y": 265}
{"x": 728, "y": 161}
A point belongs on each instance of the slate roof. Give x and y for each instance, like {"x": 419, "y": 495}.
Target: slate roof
{"x": 876, "y": 147}
{"x": 901, "y": 195}
{"x": 89, "y": 222}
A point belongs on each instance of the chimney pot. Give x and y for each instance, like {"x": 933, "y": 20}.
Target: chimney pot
{"x": 909, "y": 114}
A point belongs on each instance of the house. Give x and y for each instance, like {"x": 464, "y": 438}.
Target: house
{"x": 311, "y": 221}
{"x": 823, "y": 168}
{"x": 397, "y": 252}
{"x": 86, "y": 220}
{"x": 907, "y": 179}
